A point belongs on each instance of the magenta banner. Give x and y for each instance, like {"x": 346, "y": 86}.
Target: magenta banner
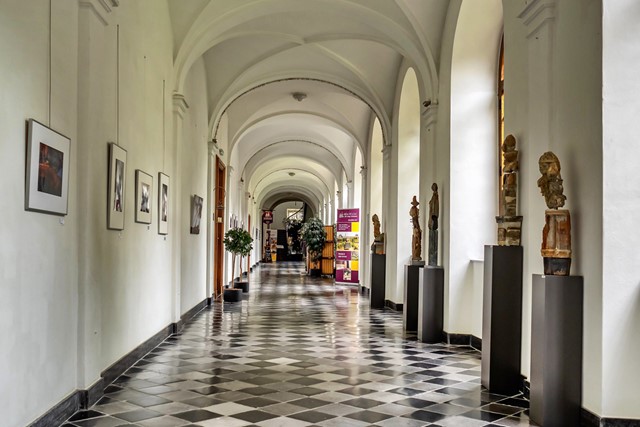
{"x": 348, "y": 245}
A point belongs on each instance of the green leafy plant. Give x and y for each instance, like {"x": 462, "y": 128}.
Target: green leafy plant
{"x": 238, "y": 242}
{"x": 314, "y": 236}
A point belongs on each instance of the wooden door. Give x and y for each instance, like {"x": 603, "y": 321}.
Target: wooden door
{"x": 219, "y": 228}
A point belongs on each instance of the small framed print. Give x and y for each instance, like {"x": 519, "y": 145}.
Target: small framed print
{"x": 47, "y": 183}
{"x": 144, "y": 190}
{"x": 117, "y": 176}
{"x": 163, "y": 203}
{"x": 196, "y": 213}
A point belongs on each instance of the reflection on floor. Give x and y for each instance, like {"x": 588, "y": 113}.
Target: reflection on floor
{"x": 300, "y": 351}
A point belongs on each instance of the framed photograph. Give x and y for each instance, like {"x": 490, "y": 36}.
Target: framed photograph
{"x": 144, "y": 190}
{"x": 117, "y": 185}
{"x": 196, "y": 213}
{"x": 163, "y": 203}
{"x": 47, "y": 183}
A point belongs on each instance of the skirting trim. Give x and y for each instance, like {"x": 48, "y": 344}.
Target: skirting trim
{"x": 463, "y": 339}
{"x": 589, "y": 419}
{"x": 83, "y": 399}
{"x": 393, "y": 306}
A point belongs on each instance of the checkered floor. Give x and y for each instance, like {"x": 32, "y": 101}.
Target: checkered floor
{"x": 300, "y": 351}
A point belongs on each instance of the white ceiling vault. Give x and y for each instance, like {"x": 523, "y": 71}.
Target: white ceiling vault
{"x": 344, "y": 56}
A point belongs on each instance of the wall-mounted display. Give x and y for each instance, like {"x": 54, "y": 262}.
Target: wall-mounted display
{"x": 163, "y": 203}
{"x": 47, "y": 184}
{"x": 117, "y": 175}
{"x": 144, "y": 189}
{"x": 348, "y": 245}
{"x": 196, "y": 213}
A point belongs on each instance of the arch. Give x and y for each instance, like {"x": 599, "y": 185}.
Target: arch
{"x": 473, "y": 160}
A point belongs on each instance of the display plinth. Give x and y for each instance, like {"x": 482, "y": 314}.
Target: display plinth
{"x": 411, "y": 292}
{"x": 502, "y": 319}
{"x": 556, "y": 350}
{"x": 431, "y": 304}
{"x": 378, "y": 270}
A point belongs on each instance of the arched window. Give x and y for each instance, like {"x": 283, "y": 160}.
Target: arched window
{"x": 501, "y": 134}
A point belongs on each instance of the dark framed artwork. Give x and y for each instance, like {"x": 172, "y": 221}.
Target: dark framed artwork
{"x": 47, "y": 181}
{"x": 196, "y": 213}
{"x": 163, "y": 203}
{"x": 144, "y": 190}
{"x": 117, "y": 186}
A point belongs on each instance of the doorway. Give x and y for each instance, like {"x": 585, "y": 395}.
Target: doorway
{"x": 218, "y": 253}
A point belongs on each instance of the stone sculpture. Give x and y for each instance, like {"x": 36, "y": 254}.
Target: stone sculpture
{"x": 376, "y": 228}
{"x": 434, "y": 214}
{"x": 556, "y": 235}
{"x": 509, "y": 223}
{"x": 416, "y": 240}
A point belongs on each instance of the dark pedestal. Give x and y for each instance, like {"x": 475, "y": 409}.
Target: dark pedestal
{"x": 431, "y": 304}
{"x": 410, "y": 307}
{"x": 502, "y": 319}
{"x": 556, "y": 350}
{"x": 232, "y": 295}
{"x": 378, "y": 271}
{"x": 244, "y": 286}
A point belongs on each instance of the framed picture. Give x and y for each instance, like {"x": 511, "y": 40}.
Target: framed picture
{"x": 47, "y": 182}
{"x": 117, "y": 185}
{"x": 144, "y": 190}
{"x": 196, "y": 213}
{"x": 163, "y": 203}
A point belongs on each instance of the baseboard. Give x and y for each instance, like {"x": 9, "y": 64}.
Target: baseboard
{"x": 476, "y": 342}
{"x": 392, "y": 305}
{"x": 365, "y": 291}
{"x": 463, "y": 339}
{"x": 589, "y": 419}
{"x": 525, "y": 387}
{"x": 186, "y": 317}
{"x": 83, "y": 399}
{"x": 59, "y": 413}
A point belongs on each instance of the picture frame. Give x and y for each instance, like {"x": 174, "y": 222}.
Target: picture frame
{"x": 144, "y": 191}
{"x": 47, "y": 169}
{"x": 196, "y": 213}
{"x": 117, "y": 187}
{"x": 163, "y": 203}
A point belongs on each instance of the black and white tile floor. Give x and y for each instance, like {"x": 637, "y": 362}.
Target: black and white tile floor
{"x": 300, "y": 351}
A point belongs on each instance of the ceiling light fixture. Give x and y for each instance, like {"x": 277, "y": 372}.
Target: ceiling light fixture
{"x": 299, "y": 96}
{"x": 292, "y": 173}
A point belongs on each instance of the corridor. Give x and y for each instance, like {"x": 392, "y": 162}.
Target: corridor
{"x": 301, "y": 351}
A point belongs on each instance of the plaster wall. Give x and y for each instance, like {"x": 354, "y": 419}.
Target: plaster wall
{"x": 473, "y": 152}
{"x": 553, "y": 95}
{"x": 38, "y": 254}
{"x": 621, "y": 198}
{"x": 126, "y": 286}
{"x": 193, "y": 180}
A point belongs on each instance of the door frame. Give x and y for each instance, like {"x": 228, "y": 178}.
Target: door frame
{"x": 219, "y": 211}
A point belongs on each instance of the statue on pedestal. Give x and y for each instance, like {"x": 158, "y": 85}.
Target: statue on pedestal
{"x": 434, "y": 214}
{"x": 416, "y": 239}
{"x": 556, "y": 235}
{"x": 377, "y": 247}
{"x": 509, "y": 223}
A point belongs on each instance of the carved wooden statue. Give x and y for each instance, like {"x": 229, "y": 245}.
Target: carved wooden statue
{"x": 416, "y": 240}
{"x": 434, "y": 214}
{"x": 509, "y": 223}
{"x": 556, "y": 235}
{"x": 376, "y": 228}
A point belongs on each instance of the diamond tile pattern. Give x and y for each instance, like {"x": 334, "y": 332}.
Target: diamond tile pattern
{"x": 301, "y": 351}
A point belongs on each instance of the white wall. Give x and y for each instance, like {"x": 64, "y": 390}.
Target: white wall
{"x": 38, "y": 255}
{"x": 193, "y": 180}
{"x": 621, "y": 201}
{"x": 473, "y": 152}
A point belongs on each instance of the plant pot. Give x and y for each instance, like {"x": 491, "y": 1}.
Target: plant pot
{"x": 244, "y": 285}
{"x": 232, "y": 295}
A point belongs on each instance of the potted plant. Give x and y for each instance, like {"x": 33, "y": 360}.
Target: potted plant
{"x": 238, "y": 242}
{"x": 314, "y": 236}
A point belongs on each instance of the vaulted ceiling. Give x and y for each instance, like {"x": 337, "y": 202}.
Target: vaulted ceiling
{"x": 342, "y": 59}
